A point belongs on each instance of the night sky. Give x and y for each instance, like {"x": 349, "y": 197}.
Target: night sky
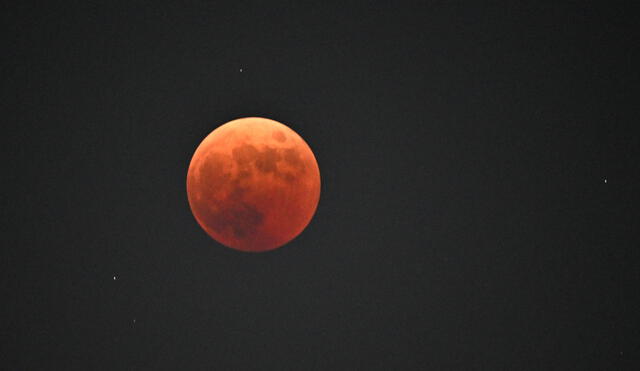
{"x": 478, "y": 168}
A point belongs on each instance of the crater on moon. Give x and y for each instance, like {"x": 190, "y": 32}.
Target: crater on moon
{"x": 279, "y": 136}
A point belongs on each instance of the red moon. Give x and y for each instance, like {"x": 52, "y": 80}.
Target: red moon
{"x": 253, "y": 184}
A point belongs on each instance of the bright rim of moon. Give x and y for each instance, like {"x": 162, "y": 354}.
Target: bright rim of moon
{"x": 253, "y": 184}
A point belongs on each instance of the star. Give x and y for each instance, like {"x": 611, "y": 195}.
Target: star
{"x": 241, "y": 70}
{"x": 115, "y": 278}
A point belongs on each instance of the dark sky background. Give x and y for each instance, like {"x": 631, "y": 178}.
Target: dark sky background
{"x": 464, "y": 220}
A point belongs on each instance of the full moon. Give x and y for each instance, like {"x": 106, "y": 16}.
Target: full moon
{"x": 253, "y": 184}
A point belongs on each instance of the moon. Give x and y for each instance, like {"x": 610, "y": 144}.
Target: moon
{"x": 253, "y": 184}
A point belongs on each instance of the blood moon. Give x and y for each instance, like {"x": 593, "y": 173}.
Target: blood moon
{"x": 253, "y": 184}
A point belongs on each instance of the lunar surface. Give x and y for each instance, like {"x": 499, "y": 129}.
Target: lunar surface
{"x": 253, "y": 184}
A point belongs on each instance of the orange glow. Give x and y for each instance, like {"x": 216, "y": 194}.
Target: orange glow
{"x": 253, "y": 184}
